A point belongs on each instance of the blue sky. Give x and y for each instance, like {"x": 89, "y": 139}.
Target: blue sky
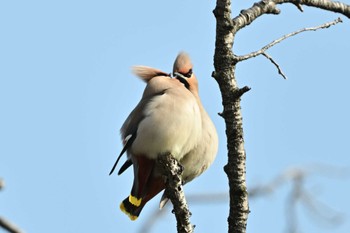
{"x": 66, "y": 88}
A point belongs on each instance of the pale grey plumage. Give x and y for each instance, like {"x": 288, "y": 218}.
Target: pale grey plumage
{"x": 166, "y": 106}
{"x": 203, "y": 155}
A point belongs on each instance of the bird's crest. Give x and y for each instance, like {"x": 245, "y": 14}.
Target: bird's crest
{"x": 182, "y": 63}
{"x": 146, "y": 73}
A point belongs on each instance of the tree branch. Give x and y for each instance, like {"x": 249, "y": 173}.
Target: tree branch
{"x": 247, "y": 16}
{"x": 224, "y": 74}
{"x": 298, "y": 195}
{"x": 276, "y": 64}
{"x": 6, "y": 225}
{"x": 268, "y": 46}
{"x": 337, "y": 7}
{"x": 225, "y": 62}
{"x": 172, "y": 169}
{"x": 2, "y": 184}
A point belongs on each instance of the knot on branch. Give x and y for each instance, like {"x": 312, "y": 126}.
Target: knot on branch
{"x": 222, "y": 8}
{"x": 234, "y": 96}
{"x": 268, "y": 6}
{"x": 297, "y": 3}
{"x": 238, "y": 93}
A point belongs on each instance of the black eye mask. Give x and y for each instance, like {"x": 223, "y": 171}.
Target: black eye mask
{"x": 183, "y": 78}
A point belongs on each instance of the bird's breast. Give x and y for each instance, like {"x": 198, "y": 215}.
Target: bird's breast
{"x": 172, "y": 124}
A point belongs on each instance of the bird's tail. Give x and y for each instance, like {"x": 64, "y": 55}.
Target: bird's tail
{"x": 145, "y": 186}
{"x": 132, "y": 207}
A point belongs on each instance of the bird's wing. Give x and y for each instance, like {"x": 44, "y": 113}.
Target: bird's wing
{"x": 130, "y": 126}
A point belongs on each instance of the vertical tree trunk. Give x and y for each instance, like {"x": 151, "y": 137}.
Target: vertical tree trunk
{"x": 225, "y": 63}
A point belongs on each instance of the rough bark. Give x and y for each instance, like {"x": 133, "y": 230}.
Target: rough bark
{"x": 172, "y": 170}
{"x": 225, "y": 62}
{"x": 247, "y": 16}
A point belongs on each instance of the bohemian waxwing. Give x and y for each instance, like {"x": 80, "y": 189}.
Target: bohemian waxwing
{"x": 202, "y": 156}
{"x": 168, "y": 119}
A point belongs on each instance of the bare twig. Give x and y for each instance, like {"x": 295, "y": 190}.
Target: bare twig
{"x": 201, "y": 199}
{"x": 174, "y": 191}
{"x": 276, "y": 64}
{"x": 297, "y": 178}
{"x": 10, "y": 227}
{"x": 5, "y": 224}
{"x": 298, "y": 195}
{"x": 268, "y": 46}
{"x": 2, "y": 184}
{"x": 320, "y": 210}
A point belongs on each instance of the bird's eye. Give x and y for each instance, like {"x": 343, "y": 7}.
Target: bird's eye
{"x": 188, "y": 74}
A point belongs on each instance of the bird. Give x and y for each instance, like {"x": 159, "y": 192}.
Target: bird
{"x": 169, "y": 118}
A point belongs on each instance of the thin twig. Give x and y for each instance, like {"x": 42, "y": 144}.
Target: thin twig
{"x": 2, "y": 184}
{"x": 298, "y": 195}
{"x": 199, "y": 198}
{"x": 268, "y": 46}
{"x": 9, "y": 227}
{"x": 321, "y": 210}
{"x": 276, "y": 64}
{"x": 5, "y": 224}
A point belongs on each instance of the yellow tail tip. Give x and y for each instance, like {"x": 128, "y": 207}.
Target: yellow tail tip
{"x": 122, "y": 208}
{"x": 135, "y": 201}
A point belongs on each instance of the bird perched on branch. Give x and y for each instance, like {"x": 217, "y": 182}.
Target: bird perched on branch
{"x": 169, "y": 118}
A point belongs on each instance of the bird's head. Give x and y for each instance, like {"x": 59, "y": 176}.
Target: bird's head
{"x": 183, "y": 71}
